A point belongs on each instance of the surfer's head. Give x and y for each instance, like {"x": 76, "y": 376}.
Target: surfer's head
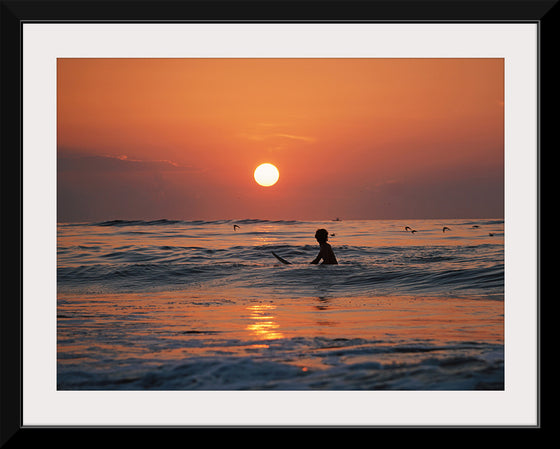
{"x": 322, "y": 235}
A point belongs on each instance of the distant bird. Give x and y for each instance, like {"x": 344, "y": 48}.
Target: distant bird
{"x": 413, "y": 231}
{"x": 235, "y": 227}
{"x": 408, "y": 228}
{"x": 333, "y": 234}
{"x": 445, "y": 228}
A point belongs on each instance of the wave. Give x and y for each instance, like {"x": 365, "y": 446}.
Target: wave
{"x": 343, "y": 364}
{"x": 354, "y": 278}
{"x": 373, "y": 257}
{"x": 137, "y": 222}
{"x": 165, "y": 222}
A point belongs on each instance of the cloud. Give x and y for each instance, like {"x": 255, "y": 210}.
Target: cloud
{"x": 294, "y": 137}
{"x": 273, "y": 131}
{"x": 91, "y": 187}
{"x": 67, "y": 162}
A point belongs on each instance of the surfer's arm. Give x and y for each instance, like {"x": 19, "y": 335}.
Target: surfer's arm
{"x": 318, "y": 258}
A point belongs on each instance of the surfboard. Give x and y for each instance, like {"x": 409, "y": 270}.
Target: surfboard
{"x": 280, "y": 259}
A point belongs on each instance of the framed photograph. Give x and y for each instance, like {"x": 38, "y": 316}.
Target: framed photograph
{"x": 269, "y": 216}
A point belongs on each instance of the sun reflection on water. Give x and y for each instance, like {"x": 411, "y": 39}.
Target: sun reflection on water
{"x": 263, "y": 324}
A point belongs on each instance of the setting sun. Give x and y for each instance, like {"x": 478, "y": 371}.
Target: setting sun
{"x": 266, "y": 175}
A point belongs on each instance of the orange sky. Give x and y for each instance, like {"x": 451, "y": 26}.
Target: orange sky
{"x": 352, "y": 138}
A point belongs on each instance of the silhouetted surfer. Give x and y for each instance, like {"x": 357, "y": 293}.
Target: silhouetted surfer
{"x": 326, "y": 253}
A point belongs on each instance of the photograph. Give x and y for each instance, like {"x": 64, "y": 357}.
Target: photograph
{"x": 280, "y": 223}
{"x": 270, "y": 222}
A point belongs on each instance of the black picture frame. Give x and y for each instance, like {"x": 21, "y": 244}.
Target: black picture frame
{"x": 16, "y": 13}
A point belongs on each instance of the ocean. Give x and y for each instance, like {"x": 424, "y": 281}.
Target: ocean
{"x": 204, "y": 305}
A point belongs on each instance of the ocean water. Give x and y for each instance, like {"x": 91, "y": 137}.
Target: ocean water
{"x": 204, "y": 305}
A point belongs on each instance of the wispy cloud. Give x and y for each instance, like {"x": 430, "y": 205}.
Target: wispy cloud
{"x": 67, "y": 161}
{"x": 274, "y": 132}
{"x": 294, "y": 137}
{"x": 124, "y": 157}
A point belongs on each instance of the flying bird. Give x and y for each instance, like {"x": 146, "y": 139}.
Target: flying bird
{"x": 235, "y": 227}
{"x": 445, "y": 228}
{"x": 408, "y": 228}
